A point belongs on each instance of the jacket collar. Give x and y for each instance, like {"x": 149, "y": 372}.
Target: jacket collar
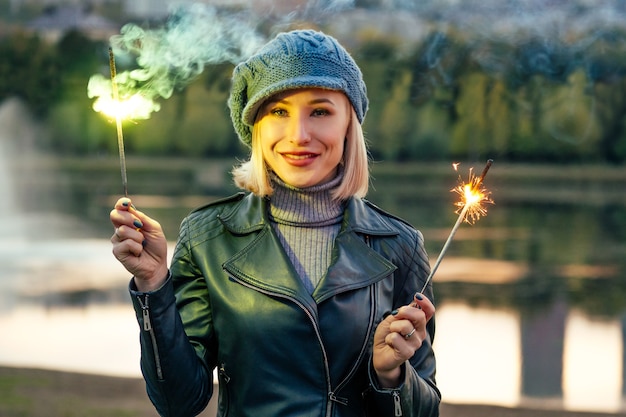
{"x": 355, "y": 264}
{"x": 249, "y": 214}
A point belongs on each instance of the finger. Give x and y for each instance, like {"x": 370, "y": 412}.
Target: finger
{"x": 124, "y": 203}
{"x": 408, "y": 318}
{"x": 124, "y": 232}
{"x": 409, "y": 334}
{"x": 403, "y": 348}
{"x": 125, "y": 213}
{"x": 407, "y": 312}
{"x": 421, "y": 302}
{"x": 402, "y": 327}
{"x": 126, "y": 247}
{"x": 138, "y": 219}
{"x": 146, "y": 223}
{"x": 121, "y": 217}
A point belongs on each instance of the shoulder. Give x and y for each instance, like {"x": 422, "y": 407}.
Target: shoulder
{"x": 207, "y": 217}
{"x": 393, "y": 220}
{"x": 218, "y": 205}
{"x": 393, "y": 237}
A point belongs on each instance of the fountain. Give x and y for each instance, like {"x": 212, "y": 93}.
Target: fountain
{"x": 16, "y": 133}
{"x": 55, "y": 273}
{"x": 46, "y": 252}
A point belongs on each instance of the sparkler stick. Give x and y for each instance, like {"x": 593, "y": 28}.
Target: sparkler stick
{"x": 118, "y": 122}
{"x": 482, "y": 175}
{"x": 472, "y": 196}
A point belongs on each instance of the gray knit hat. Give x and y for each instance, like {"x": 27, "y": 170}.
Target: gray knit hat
{"x": 296, "y": 59}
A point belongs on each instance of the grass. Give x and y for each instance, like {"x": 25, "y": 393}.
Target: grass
{"x": 41, "y": 393}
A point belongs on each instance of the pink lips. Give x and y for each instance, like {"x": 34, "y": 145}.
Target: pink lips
{"x": 299, "y": 158}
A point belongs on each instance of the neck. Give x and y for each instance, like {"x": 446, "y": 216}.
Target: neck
{"x": 306, "y": 221}
{"x": 310, "y": 206}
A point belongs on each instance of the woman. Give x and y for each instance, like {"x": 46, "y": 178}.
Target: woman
{"x": 302, "y": 294}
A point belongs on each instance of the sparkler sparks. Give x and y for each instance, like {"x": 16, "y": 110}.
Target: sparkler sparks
{"x": 471, "y": 207}
{"x": 473, "y": 195}
{"x": 132, "y": 107}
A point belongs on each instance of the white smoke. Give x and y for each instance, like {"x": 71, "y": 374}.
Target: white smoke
{"x": 173, "y": 55}
{"x": 169, "y": 57}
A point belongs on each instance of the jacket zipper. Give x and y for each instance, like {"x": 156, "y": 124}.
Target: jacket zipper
{"x": 331, "y": 395}
{"x": 147, "y": 326}
{"x": 222, "y": 372}
{"x": 397, "y": 405}
{"x": 225, "y": 394}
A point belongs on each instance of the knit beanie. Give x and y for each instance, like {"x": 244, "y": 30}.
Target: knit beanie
{"x": 296, "y": 59}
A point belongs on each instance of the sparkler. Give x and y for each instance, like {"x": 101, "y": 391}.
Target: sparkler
{"x": 118, "y": 122}
{"x": 470, "y": 208}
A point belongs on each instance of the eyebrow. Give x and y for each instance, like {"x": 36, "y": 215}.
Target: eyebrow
{"x": 320, "y": 100}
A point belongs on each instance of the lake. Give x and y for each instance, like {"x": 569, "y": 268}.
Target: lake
{"x": 531, "y": 298}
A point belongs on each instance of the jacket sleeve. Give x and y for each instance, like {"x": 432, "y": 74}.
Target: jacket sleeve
{"x": 178, "y": 382}
{"x": 417, "y": 395}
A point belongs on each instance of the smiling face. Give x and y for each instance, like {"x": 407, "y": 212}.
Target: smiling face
{"x": 303, "y": 134}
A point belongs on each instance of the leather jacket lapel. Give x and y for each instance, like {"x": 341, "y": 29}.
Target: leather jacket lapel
{"x": 263, "y": 264}
{"x": 355, "y": 265}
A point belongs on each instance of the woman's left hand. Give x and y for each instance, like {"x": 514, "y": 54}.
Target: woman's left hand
{"x": 397, "y": 338}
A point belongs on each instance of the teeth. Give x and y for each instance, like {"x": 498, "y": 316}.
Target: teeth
{"x": 299, "y": 156}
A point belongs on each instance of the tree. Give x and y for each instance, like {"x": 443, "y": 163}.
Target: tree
{"x": 29, "y": 69}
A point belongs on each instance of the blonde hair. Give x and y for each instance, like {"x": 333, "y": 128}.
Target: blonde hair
{"x": 252, "y": 175}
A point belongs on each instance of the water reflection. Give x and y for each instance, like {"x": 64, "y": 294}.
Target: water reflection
{"x": 561, "y": 359}
{"x": 96, "y": 338}
{"x": 490, "y": 356}
{"x": 478, "y": 354}
{"x": 507, "y": 332}
{"x": 592, "y": 363}
{"x": 530, "y": 300}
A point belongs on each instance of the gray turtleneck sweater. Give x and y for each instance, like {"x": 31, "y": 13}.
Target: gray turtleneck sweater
{"x": 306, "y": 220}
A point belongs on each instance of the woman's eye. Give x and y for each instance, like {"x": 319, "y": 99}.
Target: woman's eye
{"x": 320, "y": 112}
{"x": 279, "y": 112}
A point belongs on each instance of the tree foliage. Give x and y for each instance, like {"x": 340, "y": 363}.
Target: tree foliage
{"x": 29, "y": 69}
{"x": 450, "y": 97}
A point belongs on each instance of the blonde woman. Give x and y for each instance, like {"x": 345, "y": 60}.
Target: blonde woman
{"x": 301, "y": 293}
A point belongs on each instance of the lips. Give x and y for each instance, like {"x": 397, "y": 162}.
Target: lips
{"x": 299, "y": 158}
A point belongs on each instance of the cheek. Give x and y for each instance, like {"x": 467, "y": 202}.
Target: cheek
{"x": 266, "y": 138}
{"x": 339, "y": 145}
{"x": 337, "y": 141}
{"x": 267, "y": 154}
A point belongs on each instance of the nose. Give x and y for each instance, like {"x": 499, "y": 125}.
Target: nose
{"x": 300, "y": 132}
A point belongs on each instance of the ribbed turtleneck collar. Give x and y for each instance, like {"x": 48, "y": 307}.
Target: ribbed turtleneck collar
{"x": 305, "y": 207}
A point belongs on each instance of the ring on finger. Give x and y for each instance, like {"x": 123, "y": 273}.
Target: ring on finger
{"x": 409, "y": 334}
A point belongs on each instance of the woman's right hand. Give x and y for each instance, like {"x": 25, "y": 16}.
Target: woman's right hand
{"x": 140, "y": 245}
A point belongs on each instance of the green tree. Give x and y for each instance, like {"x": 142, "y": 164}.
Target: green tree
{"x": 78, "y": 55}
{"x": 29, "y": 69}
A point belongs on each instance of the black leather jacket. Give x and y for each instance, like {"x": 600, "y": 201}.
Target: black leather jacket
{"x": 234, "y": 302}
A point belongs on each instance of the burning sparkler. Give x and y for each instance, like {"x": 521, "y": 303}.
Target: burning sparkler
{"x": 471, "y": 207}
{"x": 118, "y": 121}
{"x": 168, "y": 58}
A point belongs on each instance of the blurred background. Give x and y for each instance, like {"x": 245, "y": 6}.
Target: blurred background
{"x": 531, "y": 299}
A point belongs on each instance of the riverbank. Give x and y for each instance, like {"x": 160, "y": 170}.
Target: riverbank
{"x": 43, "y": 393}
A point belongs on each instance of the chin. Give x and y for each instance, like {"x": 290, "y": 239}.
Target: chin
{"x": 301, "y": 182}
